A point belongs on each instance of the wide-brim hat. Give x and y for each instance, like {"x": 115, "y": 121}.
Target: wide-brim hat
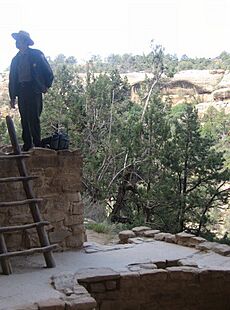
{"x": 23, "y": 35}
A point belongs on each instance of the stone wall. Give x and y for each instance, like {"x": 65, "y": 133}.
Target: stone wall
{"x": 154, "y": 286}
{"x": 174, "y": 288}
{"x": 59, "y": 184}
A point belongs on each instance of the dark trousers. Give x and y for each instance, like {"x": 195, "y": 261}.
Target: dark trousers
{"x": 30, "y": 108}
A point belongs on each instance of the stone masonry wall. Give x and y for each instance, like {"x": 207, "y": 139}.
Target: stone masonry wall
{"x": 162, "y": 287}
{"x": 59, "y": 184}
{"x": 174, "y": 288}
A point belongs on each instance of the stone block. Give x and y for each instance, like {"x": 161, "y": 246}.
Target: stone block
{"x": 161, "y": 236}
{"x": 55, "y": 215}
{"x": 51, "y": 304}
{"x": 79, "y": 289}
{"x": 153, "y": 276}
{"x": 97, "y": 287}
{"x": 170, "y": 238}
{"x": 77, "y": 229}
{"x": 129, "y": 279}
{"x": 150, "y": 233}
{"x": 206, "y": 246}
{"x": 183, "y": 273}
{"x": 136, "y": 240}
{"x": 111, "y": 285}
{"x": 183, "y": 238}
{"x": 81, "y": 303}
{"x": 59, "y": 235}
{"x": 75, "y": 241}
{"x": 62, "y": 281}
{"x": 71, "y": 220}
{"x": 148, "y": 266}
{"x": 222, "y": 249}
{"x": 71, "y": 187}
{"x": 76, "y": 208}
{"x": 125, "y": 235}
{"x": 187, "y": 262}
{"x": 139, "y": 231}
{"x": 90, "y": 275}
{"x": 211, "y": 275}
{"x": 111, "y": 305}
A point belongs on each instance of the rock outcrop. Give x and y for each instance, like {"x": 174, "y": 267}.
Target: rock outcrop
{"x": 204, "y": 87}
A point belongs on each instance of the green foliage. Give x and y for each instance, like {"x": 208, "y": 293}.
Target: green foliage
{"x": 216, "y": 124}
{"x": 130, "y": 63}
{"x": 162, "y": 169}
{"x": 99, "y": 227}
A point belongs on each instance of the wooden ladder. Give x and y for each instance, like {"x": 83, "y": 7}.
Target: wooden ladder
{"x": 32, "y": 201}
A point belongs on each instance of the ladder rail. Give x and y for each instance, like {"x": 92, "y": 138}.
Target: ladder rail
{"x": 5, "y": 262}
{"x": 17, "y": 179}
{"x": 22, "y": 227}
{"x": 20, "y": 203}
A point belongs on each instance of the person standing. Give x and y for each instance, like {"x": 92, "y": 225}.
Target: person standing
{"x": 30, "y": 76}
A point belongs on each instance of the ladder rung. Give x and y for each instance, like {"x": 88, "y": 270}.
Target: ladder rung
{"x": 30, "y": 251}
{"x": 23, "y": 227}
{"x": 17, "y": 179}
{"x": 20, "y": 202}
{"x": 14, "y": 156}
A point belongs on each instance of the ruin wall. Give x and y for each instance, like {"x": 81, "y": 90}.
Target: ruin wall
{"x": 59, "y": 184}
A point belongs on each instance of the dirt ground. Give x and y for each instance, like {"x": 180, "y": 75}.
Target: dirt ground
{"x": 101, "y": 238}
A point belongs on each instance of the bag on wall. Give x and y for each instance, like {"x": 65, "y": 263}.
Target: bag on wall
{"x": 58, "y": 141}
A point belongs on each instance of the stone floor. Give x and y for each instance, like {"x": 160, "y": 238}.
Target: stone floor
{"x": 31, "y": 282}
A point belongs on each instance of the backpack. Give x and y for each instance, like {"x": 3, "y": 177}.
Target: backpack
{"x": 58, "y": 141}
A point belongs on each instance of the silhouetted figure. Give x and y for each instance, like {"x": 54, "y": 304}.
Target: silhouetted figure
{"x": 30, "y": 77}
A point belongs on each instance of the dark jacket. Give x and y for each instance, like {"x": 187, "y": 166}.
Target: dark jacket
{"x": 41, "y": 73}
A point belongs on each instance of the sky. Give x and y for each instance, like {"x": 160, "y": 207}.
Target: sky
{"x": 83, "y": 28}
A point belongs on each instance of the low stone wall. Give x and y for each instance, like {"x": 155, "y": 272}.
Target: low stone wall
{"x": 150, "y": 288}
{"x": 141, "y": 233}
{"x": 174, "y": 288}
{"x": 59, "y": 184}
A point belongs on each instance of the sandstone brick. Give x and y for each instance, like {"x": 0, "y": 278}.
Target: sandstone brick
{"x": 70, "y": 220}
{"x": 51, "y": 304}
{"x": 170, "y": 238}
{"x": 125, "y": 235}
{"x": 79, "y": 289}
{"x": 183, "y": 273}
{"x": 76, "y": 208}
{"x": 111, "y": 285}
{"x": 90, "y": 275}
{"x": 208, "y": 275}
{"x": 129, "y": 279}
{"x": 75, "y": 241}
{"x": 139, "y": 231}
{"x": 62, "y": 281}
{"x": 59, "y": 235}
{"x": 81, "y": 303}
{"x": 97, "y": 287}
{"x": 222, "y": 249}
{"x": 155, "y": 275}
{"x": 111, "y": 305}
{"x": 205, "y": 246}
{"x": 183, "y": 236}
{"x": 161, "y": 236}
{"x": 150, "y": 233}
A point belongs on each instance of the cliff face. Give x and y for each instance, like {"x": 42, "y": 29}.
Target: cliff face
{"x": 206, "y": 87}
